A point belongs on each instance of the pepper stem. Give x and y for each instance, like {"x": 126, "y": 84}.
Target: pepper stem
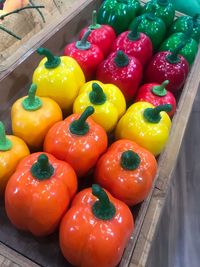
{"x": 42, "y": 169}
{"x": 32, "y": 102}
{"x": 134, "y": 34}
{"x": 173, "y": 57}
{"x": 102, "y": 209}
{"x": 189, "y": 30}
{"x": 83, "y": 44}
{"x": 80, "y": 126}
{"x": 130, "y": 160}
{"x": 97, "y": 95}
{"x": 52, "y": 61}
{"x": 160, "y": 89}
{"x": 151, "y": 15}
{"x": 163, "y": 2}
{"x": 5, "y": 143}
{"x": 94, "y": 24}
{"x": 153, "y": 114}
{"x": 121, "y": 59}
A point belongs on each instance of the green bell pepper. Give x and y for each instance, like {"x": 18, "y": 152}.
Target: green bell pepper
{"x": 118, "y": 13}
{"x": 152, "y": 26}
{"x": 181, "y": 25}
{"x": 164, "y": 10}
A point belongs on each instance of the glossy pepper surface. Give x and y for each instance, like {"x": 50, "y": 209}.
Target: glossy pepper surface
{"x": 168, "y": 66}
{"x": 58, "y": 78}
{"x": 118, "y": 13}
{"x": 152, "y": 26}
{"x": 39, "y": 192}
{"x": 33, "y": 116}
{"x": 88, "y": 55}
{"x": 189, "y": 51}
{"x": 77, "y": 140}
{"x": 123, "y": 71}
{"x": 181, "y": 24}
{"x": 96, "y": 229}
{"x": 107, "y": 100}
{"x": 12, "y": 150}
{"x": 157, "y": 95}
{"x": 164, "y": 9}
{"x": 102, "y": 35}
{"x": 127, "y": 171}
{"x": 134, "y": 43}
{"x": 146, "y": 125}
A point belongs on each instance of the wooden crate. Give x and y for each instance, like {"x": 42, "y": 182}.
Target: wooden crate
{"x": 21, "y": 249}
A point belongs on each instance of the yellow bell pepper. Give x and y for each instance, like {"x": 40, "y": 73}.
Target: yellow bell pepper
{"x": 33, "y": 116}
{"x": 107, "y": 100}
{"x": 147, "y": 125}
{"x": 58, "y": 78}
{"x": 12, "y": 150}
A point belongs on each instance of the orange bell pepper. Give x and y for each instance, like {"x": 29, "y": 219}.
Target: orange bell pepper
{"x": 33, "y": 116}
{"x": 12, "y": 150}
{"x": 77, "y": 140}
{"x": 127, "y": 171}
{"x": 96, "y": 229}
{"x": 39, "y": 192}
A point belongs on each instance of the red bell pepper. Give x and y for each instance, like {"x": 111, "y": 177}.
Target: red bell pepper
{"x": 88, "y": 55}
{"x": 168, "y": 66}
{"x": 134, "y": 43}
{"x": 102, "y": 35}
{"x": 122, "y": 70}
{"x": 157, "y": 95}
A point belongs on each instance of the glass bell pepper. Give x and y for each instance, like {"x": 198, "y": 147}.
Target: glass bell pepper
{"x": 118, "y": 13}
{"x": 146, "y": 125}
{"x": 108, "y": 102}
{"x": 96, "y": 229}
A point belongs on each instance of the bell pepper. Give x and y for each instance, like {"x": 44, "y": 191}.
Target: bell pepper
{"x": 77, "y": 140}
{"x": 88, "y": 55}
{"x": 96, "y": 229}
{"x": 152, "y": 26}
{"x": 146, "y": 125}
{"x": 181, "y": 25}
{"x": 189, "y": 51}
{"x": 170, "y": 66}
{"x": 127, "y": 171}
{"x": 58, "y": 78}
{"x": 102, "y": 35}
{"x": 118, "y": 13}
{"x": 134, "y": 43}
{"x": 33, "y": 116}
{"x": 107, "y": 100}
{"x": 122, "y": 70}
{"x": 12, "y": 150}
{"x": 157, "y": 95}
{"x": 164, "y": 9}
{"x": 39, "y": 192}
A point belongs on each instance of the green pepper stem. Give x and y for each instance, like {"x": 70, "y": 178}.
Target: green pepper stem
{"x": 5, "y": 143}
{"x": 97, "y": 95}
{"x": 52, "y": 61}
{"x": 42, "y": 169}
{"x": 80, "y": 126}
{"x": 160, "y": 89}
{"x": 121, "y": 59}
{"x": 83, "y": 44}
{"x": 94, "y": 24}
{"x": 134, "y": 34}
{"x": 173, "y": 57}
{"x": 163, "y": 2}
{"x": 189, "y": 30}
{"x": 153, "y": 114}
{"x": 32, "y": 102}
{"x": 130, "y": 160}
{"x": 102, "y": 209}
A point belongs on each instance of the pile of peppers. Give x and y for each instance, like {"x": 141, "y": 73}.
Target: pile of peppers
{"x": 100, "y": 113}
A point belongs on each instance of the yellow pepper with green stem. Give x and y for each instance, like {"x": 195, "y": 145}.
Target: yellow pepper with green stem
{"x": 107, "y": 100}
{"x": 58, "y": 78}
{"x": 146, "y": 125}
